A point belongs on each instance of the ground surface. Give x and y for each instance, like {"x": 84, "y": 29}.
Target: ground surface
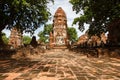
{"x": 60, "y": 65}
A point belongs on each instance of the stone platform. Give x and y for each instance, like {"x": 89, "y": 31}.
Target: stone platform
{"x": 60, "y": 65}
{"x": 58, "y": 50}
{"x": 60, "y": 47}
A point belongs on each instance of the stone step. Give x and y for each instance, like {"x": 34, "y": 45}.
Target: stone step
{"x": 60, "y": 47}
{"x": 59, "y": 50}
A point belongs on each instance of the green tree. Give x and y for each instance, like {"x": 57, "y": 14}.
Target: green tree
{"x": 26, "y": 15}
{"x": 4, "y": 38}
{"x": 44, "y": 35}
{"x": 98, "y": 13}
{"x": 72, "y": 33}
{"x": 26, "y": 40}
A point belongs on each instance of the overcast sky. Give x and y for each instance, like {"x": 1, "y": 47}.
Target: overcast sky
{"x": 67, "y": 7}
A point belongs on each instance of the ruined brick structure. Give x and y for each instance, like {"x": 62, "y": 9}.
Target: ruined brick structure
{"x": 104, "y": 38}
{"x": 85, "y": 40}
{"x": 59, "y": 37}
{"x": 15, "y": 39}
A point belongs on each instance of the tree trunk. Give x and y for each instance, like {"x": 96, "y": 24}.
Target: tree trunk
{"x": 114, "y": 29}
{"x": 1, "y": 41}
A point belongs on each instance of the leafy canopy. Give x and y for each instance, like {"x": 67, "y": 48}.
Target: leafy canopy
{"x": 72, "y": 33}
{"x": 44, "y": 35}
{"x": 97, "y": 13}
{"x": 4, "y": 38}
{"x": 26, "y": 39}
{"x": 27, "y": 15}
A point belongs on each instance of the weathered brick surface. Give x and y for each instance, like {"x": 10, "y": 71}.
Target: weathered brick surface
{"x": 60, "y": 65}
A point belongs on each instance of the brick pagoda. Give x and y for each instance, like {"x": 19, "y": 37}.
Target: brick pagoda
{"x": 15, "y": 38}
{"x": 59, "y": 37}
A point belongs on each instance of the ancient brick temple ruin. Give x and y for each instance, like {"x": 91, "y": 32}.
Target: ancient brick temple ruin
{"x": 15, "y": 39}
{"x": 86, "y": 41}
{"x": 59, "y": 37}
